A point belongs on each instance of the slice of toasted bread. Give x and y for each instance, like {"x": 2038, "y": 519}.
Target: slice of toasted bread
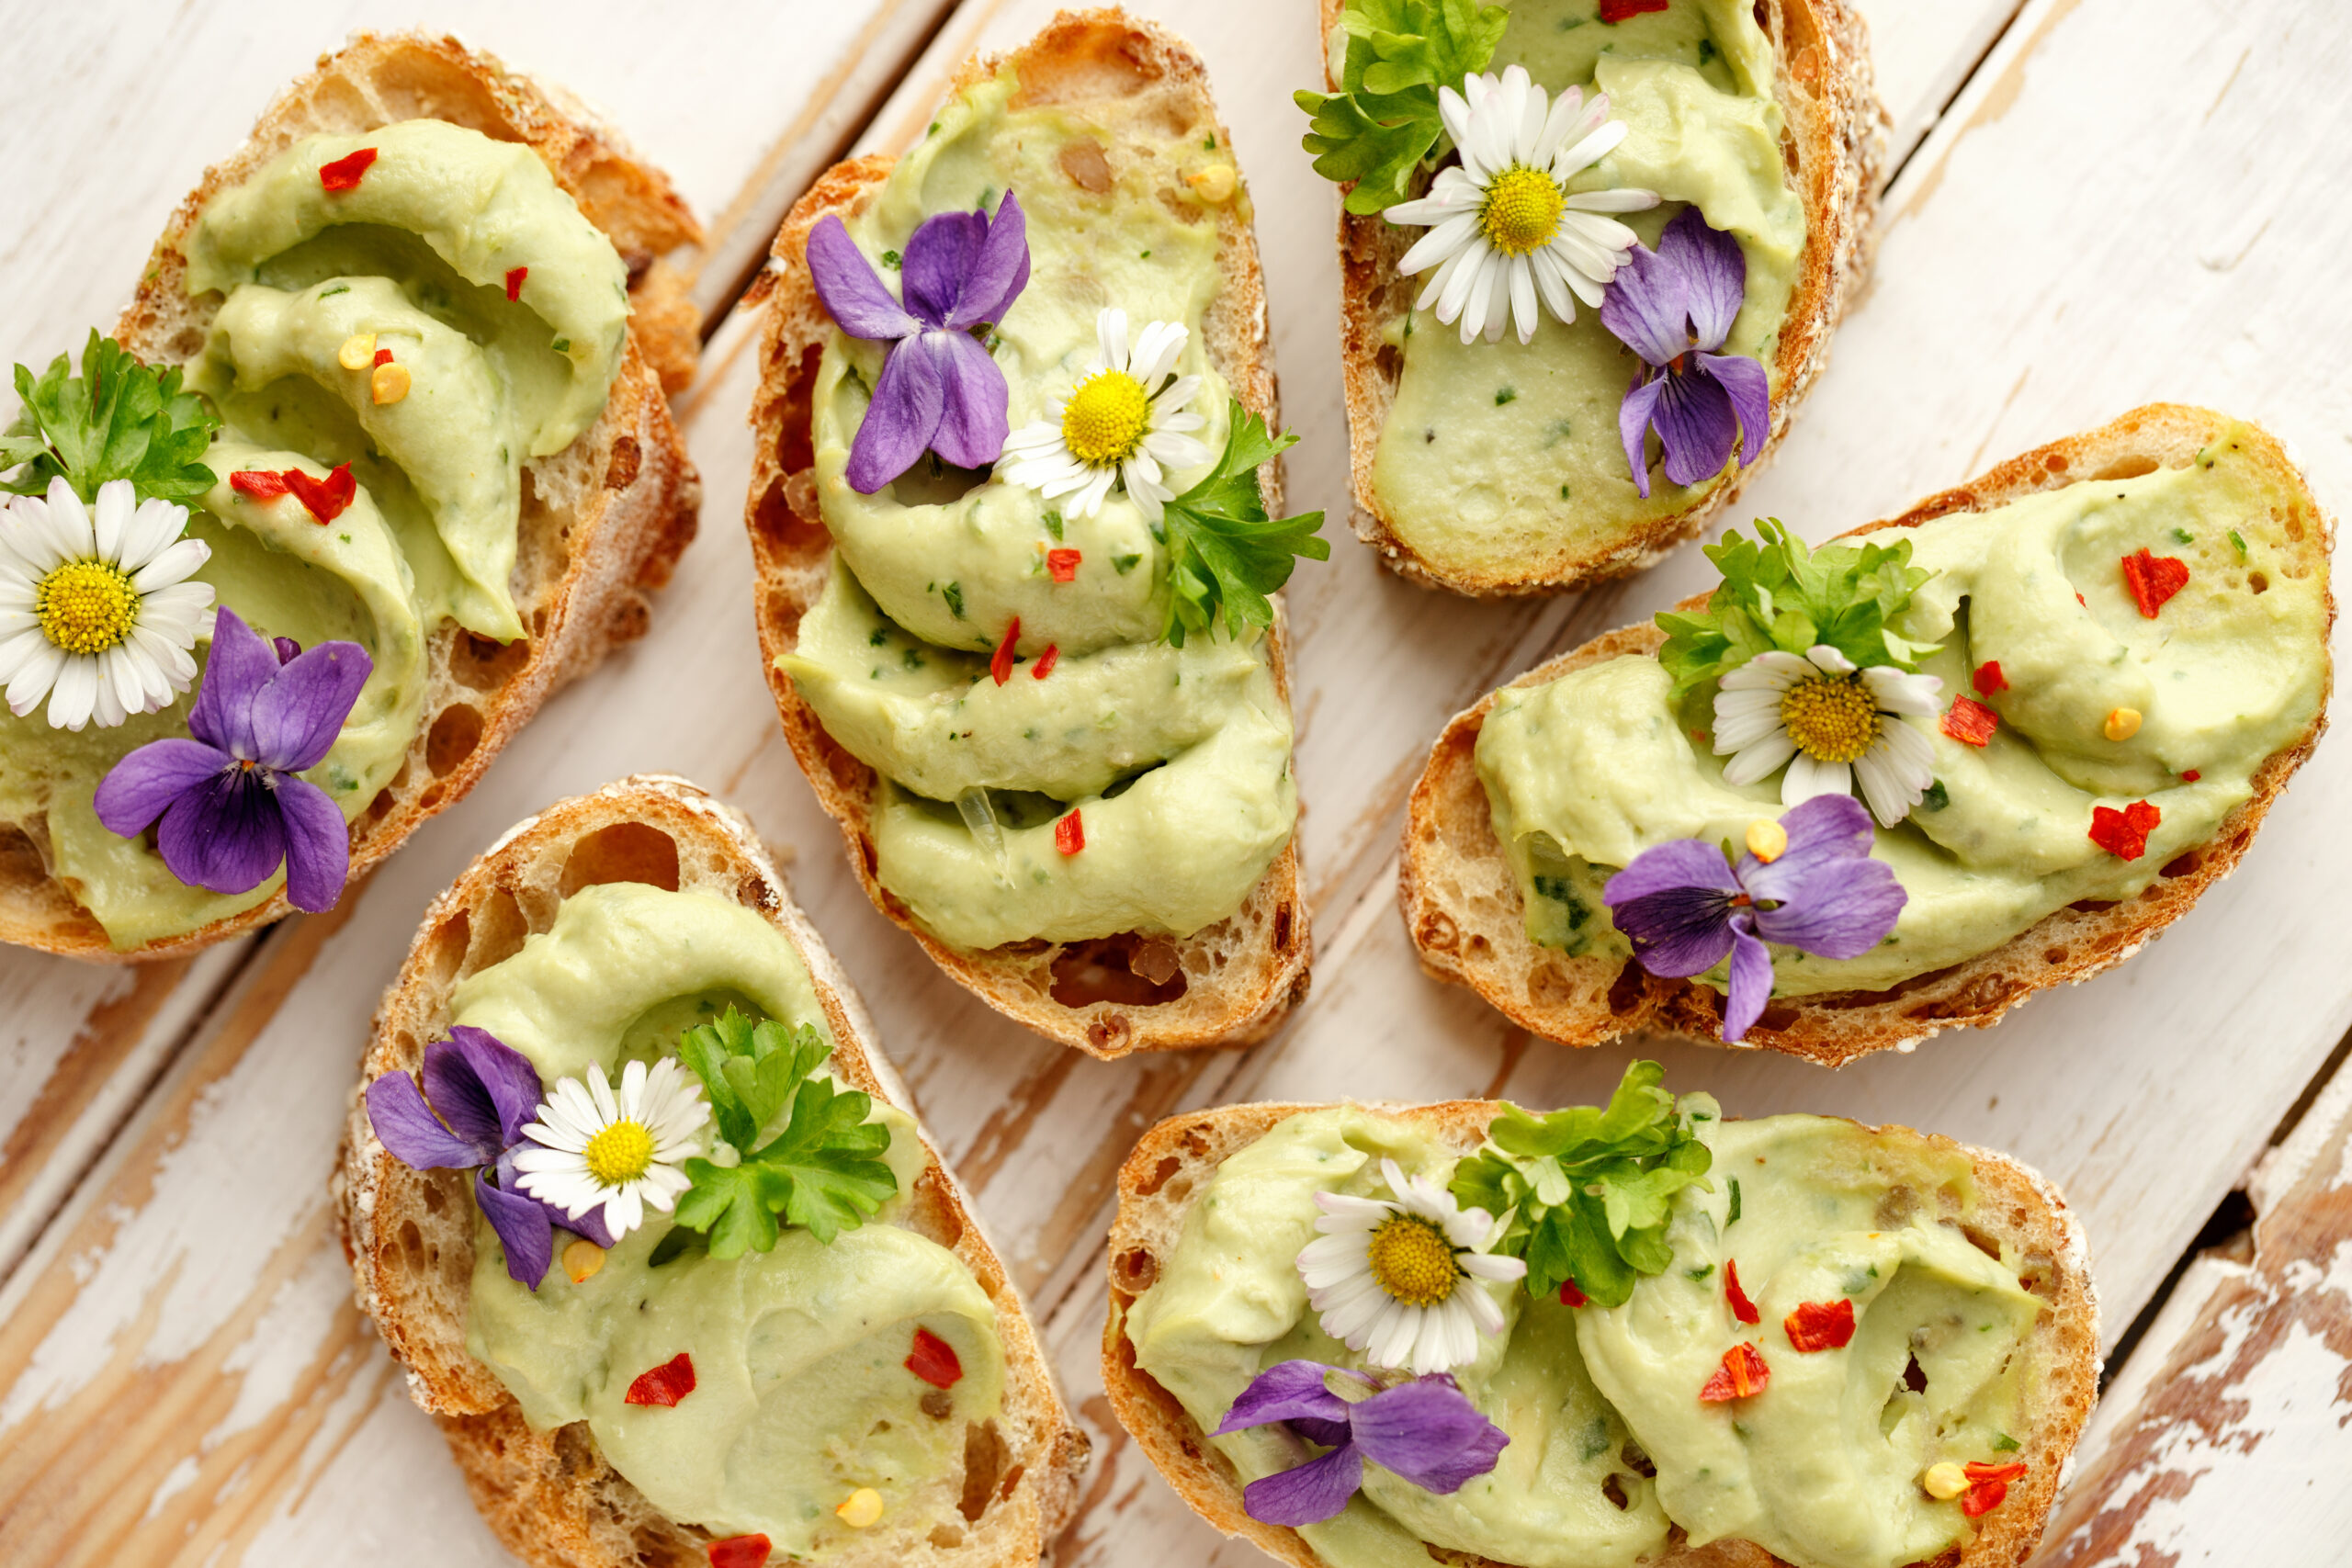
{"x": 1227, "y": 985}
{"x": 1835, "y": 146}
{"x": 2016, "y": 1206}
{"x": 1465, "y": 915}
{"x": 602, "y": 520}
{"x": 409, "y": 1233}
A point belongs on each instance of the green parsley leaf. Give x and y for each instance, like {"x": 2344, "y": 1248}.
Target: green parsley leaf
{"x": 1225, "y": 554}
{"x": 1776, "y": 593}
{"x": 2004, "y": 1443}
{"x": 116, "y": 419}
{"x": 1591, "y": 1189}
{"x": 2238, "y": 540}
{"x": 1383, "y": 123}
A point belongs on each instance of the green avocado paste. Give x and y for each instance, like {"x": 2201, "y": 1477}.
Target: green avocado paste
{"x": 1497, "y": 457}
{"x": 1175, "y": 762}
{"x": 1583, "y": 773}
{"x": 802, "y": 1393}
{"x": 1610, "y": 1445}
{"x": 416, "y": 262}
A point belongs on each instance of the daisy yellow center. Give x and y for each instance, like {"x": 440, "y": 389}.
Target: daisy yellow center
{"x": 1522, "y": 212}
{"x": 620, "y": 1154}
{"x": 85, "y": 606}
{"x": 1412, "y": 1261}
{"x": 1106, "y": 418}
{"x": 1831, "y": 718}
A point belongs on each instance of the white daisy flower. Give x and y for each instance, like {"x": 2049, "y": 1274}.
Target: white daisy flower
{"x": 1399, "y": 1279}
{"x": 617, "y": 1151}
{"x": 1125, "y": 422}
{"x": 1830, "y": 724}
{"x": 1503, "y": 227}
{"x": 98, "y": 616}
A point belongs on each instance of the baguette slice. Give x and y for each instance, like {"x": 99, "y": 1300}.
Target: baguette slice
{"x": 1835, "y": 149}
{"x": 409, "y": 1235}
{"x": 1174, "y": 1161}
{"x": 1227, "y": 985}
{"x": 602, "y": 520}
{"x": 1464, "y": 908}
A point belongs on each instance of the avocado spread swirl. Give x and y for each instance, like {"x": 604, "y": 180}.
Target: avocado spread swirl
{"x": 1175, "y": 760}
{"x": 457, "y": 260}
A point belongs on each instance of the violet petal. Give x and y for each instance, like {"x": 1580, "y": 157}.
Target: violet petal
{"x": 507, "y": 1075}
{"x": 1678, "y": 862}
{"x": 1842, "y": 911}
{"x": 462, "y": 1100}
{"x": 318, "y": 844}
{"x": 1428, "y": 1432}
{"x": 1822, "y": 831}
{"x": 939, "y": 257}
{"x": 1696, "y": 424}
{"x": 1330, "y": 1434}
{"x": 1000, "y": 271}
{"x": 1714, "y": 270}
{"x": 227, "y": 835}
{"x": 590, "y": 1225}
{"x": 240, "y": 662}
{"x": 1633, "y": 416}
{"x": 853, "y": 295}
{"x": 288, "y": 649}
{"x": 1316, "y": 1491}
{"x": 522, "y": 1228}
{"x": 1751, "y": 979}
{"x": 1678, "y": 932}
{"x": 298, "y": 711}
{"x": 143, "y": 786}
{"x": 1750, "y": 391}
{"x": 909, "y": 399}
{"x": 1287, "y": 1390}
{"x": 1647, "y": 306}
{"x": 972, "y": 423}
{"x": 406, "y": 1125}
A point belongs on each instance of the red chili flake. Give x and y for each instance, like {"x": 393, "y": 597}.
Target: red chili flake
{"x": 665, "y": 1384}
{"x": 1614, "y": 11}
{"x": 1976, "y": 1470}
{"x": 935, "y": 1360}
{"x": 344, "y": 172}
{"x": 1572, "y": 1297}
{"x": 325, "y": 498}
{"x": 514, "y": 277}
{"x": 1983, "y": 1497}
{"x": 1062, "y": 565}
{"x": 1741, "y": 1307}
{"x": 259, "y": 483}
{"x": 1069, "y": 834}
{"x": 741, "y": 1551}
{"x": 383, "y": 356}
{"x": 2124, "y": 833}
{"x": 2079, "y": 600}
{"x": 1970, "y": 722}
{"x": 2154, "y": 578}
{"x": 1001, "y": 662}
{"x": 1988, "y": 678}
{"x": 2191, "y": 776}
{"x": 1046, "y": 662}
{"x": 1742, "y": 1374}
{"x": 1820, "y": 1326}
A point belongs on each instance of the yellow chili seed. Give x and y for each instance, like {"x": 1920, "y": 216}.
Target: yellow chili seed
{"x": 582, "y": 1259}
{"x": 1213, "y": 183}
{"x": 1944, "y": 1482}
{"x": 1767, "y": 841}
{"x": 864, "y": 1507}
{"x": 390, "y": 383}
{"x": 2122, "y": 724}
{"x": 357, "y": 352}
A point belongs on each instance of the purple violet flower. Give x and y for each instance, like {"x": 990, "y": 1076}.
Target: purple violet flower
{"x": 939, "y": 388}
{"x": 1674, "y": 307}
{"x": 233, "y": 810}
{"x": 1426, "y": 1431}
{"x": 1684, "y": 904}
{"x": 484, "y": 1092}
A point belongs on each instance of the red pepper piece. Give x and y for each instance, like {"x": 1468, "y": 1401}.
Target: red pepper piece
{"x": 1741, "y": 1307}
{"x": 1572, "y": 1297}
{"x": 259, "y": 483}
{"x": 741, "y": 1551}
{"x": 1046, "y": 662}
{"x": 1743, "y": 1373}
{"x": 2124, "y": 833}
{"x": 665, "y": 1384}
{"x": 383, "y": 356}
{"x": 2191, "y": 776}
{"x": 325, "y": 498}
{"x": 344, "y": 172}
{"x": 1001, "y": 662}
{"x": 1062, "y": 565}
{"x": 1069, "y": 834}
{"x": 935, "y": 1360}
{"x": 1976, "y": 1470}
{"x": 1982, "y": 1498}
{"x": 1988, "y": 678}
{"x": 1820, "y": 1326}
{"x": 514, "y": 277}
{"x": 1614, "y": 11}
{"x": 1970, "y": 722}
{"x": 2154, "y": 578}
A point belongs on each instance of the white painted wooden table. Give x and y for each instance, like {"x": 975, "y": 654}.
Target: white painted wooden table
{"x": 2125, "y": 200}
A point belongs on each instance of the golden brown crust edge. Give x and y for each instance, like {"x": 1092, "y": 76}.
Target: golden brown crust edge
{"x": 604, "y": 522}
{"x": 1836, "y": 146}
{"x": 408, "y": 1234}
{"x": 1173, "y": 1161}
{"x": 1245, "y": 972}
{"x": 1465, "y": 914}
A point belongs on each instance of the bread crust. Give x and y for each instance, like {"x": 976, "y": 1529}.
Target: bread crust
{"x": 1242, "y": 974}
{"x": 1463, "y": 910}
{"x": 1837, "y": 149}
{"x": 408, "y": 1234}
{"x": 603, "y": 521}
{"x": 2017, "y": 1205}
